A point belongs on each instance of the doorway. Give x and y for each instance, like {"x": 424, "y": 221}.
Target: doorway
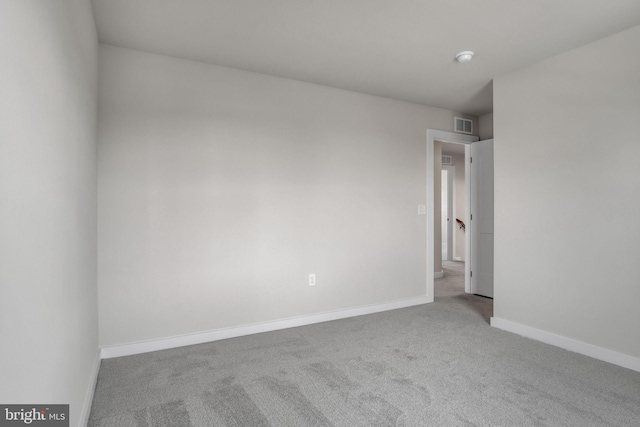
{"x": 478, "y": 217}
{"x": 432, "y": 180}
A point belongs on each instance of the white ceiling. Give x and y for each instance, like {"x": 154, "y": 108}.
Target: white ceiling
{"x": 401, "y": 49}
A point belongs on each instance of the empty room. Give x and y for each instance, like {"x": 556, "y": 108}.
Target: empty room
{"x": 291, "y": 213}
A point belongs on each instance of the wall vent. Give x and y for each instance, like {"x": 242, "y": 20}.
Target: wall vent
{"x": 461, "y": 125}
{"x": 447, "y": 160}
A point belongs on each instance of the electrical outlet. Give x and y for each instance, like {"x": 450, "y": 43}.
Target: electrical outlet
{"x": 312, "y": 279}
{"x": 422, "y": 209}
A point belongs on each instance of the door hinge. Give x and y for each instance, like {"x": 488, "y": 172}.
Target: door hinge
{"x": 471, "y": 217}
{"x": 471, "y": 273}
{"x": 470, "y": 159}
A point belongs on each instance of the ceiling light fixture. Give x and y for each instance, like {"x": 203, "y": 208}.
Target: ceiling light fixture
{"x": 464, "y": 56}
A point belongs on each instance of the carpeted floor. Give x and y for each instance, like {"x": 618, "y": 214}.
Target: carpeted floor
{"x": 439, "y": 364}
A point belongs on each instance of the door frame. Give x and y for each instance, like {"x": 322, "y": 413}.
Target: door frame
{"x": 434, "y": 135}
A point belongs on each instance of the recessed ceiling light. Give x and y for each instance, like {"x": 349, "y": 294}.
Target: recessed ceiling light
{"x": 464, "y": 56}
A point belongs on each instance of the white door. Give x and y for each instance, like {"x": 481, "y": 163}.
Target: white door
{"x": 481, "y": 217}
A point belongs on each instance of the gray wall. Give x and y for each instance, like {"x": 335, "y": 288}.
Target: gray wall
{"x": 48, "y": 307}
{"x": 486, "y": 126}
{"x": 221, "y": 190}
{"x": 567, "y": 193}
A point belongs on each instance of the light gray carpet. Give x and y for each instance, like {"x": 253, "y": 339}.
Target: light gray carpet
{"x": 439, "y": 364}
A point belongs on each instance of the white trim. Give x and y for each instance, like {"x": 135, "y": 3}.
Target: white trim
{"x": 255, "y": 328}
{"x": 438, "y": 274}
{"x": 570, "y": 344}
{"x": 88, "y": 399}
{"x": 433, "y": 136}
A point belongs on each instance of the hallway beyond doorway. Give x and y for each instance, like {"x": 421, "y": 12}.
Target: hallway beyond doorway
{"x": 450, "y": 288}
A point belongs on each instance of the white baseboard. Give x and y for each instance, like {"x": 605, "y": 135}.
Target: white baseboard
{"x": 255, "y": 328}
{"x": 438, "y": 274}
{"x": 570, "y": 344}
{"x": 86, "y": 407}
